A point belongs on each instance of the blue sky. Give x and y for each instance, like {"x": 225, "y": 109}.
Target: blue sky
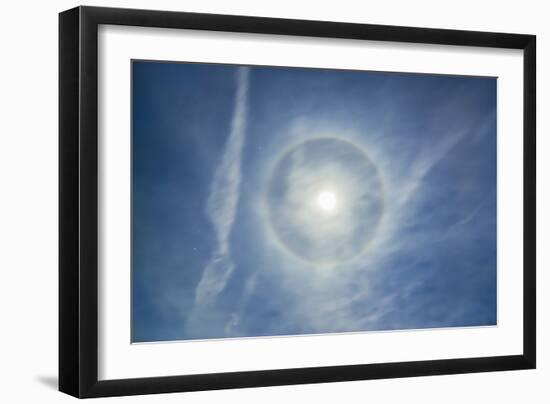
{"x": 228, "y": 164}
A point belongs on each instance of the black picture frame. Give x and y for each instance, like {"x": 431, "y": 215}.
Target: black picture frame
{"x": 78, "y": 201}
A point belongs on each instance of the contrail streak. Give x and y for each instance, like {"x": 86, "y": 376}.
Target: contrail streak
{"x": 222, "y": 202}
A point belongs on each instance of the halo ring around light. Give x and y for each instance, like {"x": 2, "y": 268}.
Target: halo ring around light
{"x": 355, "y": 180}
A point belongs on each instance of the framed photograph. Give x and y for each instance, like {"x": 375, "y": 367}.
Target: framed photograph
{"x": 251, "y": 201}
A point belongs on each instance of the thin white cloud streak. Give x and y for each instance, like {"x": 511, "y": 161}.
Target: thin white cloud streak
{"x": 430, "y": 156}
{"x": 222, "y": 202}
{"x": 424, "y": 165}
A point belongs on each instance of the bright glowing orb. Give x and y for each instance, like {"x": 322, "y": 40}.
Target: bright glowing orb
{"x": 324, "y": 200}
{"x": 327, "y": 201}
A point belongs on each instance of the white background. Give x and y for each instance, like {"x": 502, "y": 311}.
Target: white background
{"x": 28, "y": 210}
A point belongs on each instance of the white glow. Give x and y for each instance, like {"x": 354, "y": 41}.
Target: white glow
{"x": 327, "y": 201}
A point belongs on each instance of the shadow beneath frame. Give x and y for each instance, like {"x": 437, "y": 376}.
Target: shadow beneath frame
{"x": 48, "y": 381}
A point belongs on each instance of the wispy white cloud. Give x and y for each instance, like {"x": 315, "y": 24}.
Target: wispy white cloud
{"x": 224, "y": 197}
